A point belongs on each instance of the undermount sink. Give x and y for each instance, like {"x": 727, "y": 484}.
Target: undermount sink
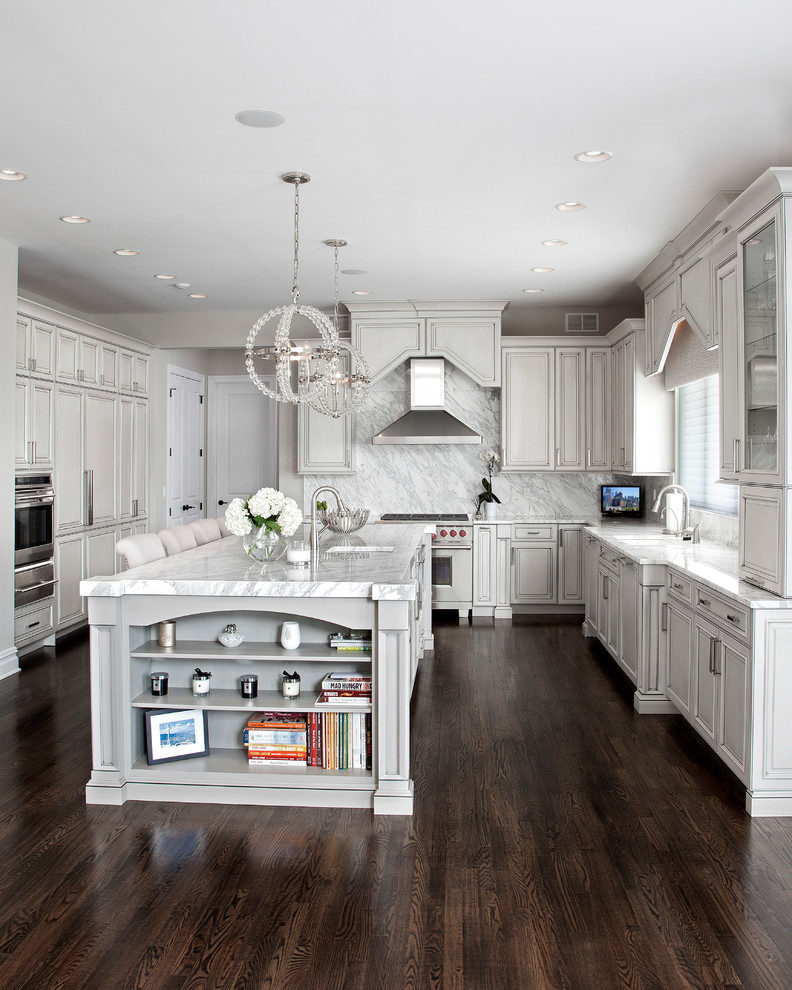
{"x": 355, "y": 549}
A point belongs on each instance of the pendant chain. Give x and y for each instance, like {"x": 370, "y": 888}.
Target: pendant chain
{"x": 296, "y": 283}
{"x": 335, "y": 283}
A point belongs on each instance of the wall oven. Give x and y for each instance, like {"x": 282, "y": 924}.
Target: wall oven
{"x": 34, "y": 504}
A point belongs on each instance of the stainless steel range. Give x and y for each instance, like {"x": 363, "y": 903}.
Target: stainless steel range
{"x": 452, "y": 557}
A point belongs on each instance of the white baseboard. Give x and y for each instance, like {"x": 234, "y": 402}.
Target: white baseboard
{"x": 9, "y": 663}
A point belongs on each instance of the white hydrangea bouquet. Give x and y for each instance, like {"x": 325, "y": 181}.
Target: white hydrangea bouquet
{"x": 263, "y": 521}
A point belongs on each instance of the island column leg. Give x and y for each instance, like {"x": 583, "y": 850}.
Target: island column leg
{"x": 394, "y": 791}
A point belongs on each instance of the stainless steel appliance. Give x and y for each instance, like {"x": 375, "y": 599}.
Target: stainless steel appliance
{"x": 34, "y": 566}
{"x": 452, "y": 557}
{"x": 34, "y": 504}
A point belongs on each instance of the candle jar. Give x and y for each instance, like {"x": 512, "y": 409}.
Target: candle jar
{"x": 166, "y": 634}
{"x": 298, "y": 553}
{"x": 200, "y": 682}
{"x": 248, "y": 686}
{"x": 290, "y": 685}
{"x": 159, "y": 682}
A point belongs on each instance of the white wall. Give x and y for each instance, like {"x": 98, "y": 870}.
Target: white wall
{"x": 8, "y": 309}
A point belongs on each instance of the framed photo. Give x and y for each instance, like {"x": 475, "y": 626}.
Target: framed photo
{"x": 176, "y": 735}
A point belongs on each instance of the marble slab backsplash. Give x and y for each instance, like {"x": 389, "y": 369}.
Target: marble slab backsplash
{"x": 447, "y": 477}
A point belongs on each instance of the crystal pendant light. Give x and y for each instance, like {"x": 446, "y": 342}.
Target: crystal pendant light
{"x": 301, "y": 372}
{"x": 346, "y": 390}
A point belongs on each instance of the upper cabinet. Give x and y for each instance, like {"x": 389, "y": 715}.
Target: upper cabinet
{"x": 35, "y": 352}
{"x": 556, "y": 407}
{"x": 466, "y": 334}
{"x": 677, "y": 285}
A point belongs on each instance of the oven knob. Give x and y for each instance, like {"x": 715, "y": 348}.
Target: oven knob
{"x": 453, "y": 532}
{"x": 463, "y": 532}
{"x": 444, "y": 532}
{"x": 434, "y": 536}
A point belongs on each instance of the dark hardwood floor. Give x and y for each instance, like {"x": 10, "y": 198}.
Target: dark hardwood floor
{"x": 559, "y": 841}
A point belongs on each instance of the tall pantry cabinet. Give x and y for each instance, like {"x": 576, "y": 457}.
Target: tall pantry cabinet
{"x": 99, "y": 451}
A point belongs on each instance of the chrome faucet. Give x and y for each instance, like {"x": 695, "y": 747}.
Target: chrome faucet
{"x": 314, "y": 531}
{"x": 684, "y": 530}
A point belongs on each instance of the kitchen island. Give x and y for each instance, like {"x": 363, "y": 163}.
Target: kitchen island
{"x": 349, "y": 588}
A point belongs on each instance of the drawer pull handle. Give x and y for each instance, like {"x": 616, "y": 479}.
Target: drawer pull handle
{"x": 732, "y": 618}
{"x": 705, "y": 601}
{"x": 32, "y": 625}
{"x": 678, "y": 587}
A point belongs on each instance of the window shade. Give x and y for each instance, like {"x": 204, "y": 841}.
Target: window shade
{"x": 698, "y": 448}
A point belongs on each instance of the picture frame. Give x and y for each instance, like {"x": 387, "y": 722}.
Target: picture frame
{"x": 176, "y": 734}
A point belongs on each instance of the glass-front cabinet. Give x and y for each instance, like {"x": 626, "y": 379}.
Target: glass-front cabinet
{"x": 759, "y": 457}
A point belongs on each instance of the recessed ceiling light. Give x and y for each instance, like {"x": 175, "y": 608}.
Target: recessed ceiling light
{"x": 533, "y": 290}
{"x": 74, "y": 219}
{"x": 11, "y": 175}
{"x": 554, "y": 243}
{"x": 593, "y": 156}
{"x": 570, "y": 206}
{"x": 198, "y": 295}
{"x": 354, "y": 271}
{"x": 126, "y": 252}
{"x": 260, "y": 118}
{"x": 180, "y": 285}
{"x": 542, "y": 270}
{"x": 361, "y": 292}
{"x": 164, "y": 276}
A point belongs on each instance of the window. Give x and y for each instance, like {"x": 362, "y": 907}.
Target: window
{"x": 698, "y": 448}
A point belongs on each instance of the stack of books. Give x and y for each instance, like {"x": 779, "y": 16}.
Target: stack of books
{"x": 339, "y": 740}
{"x": 277, "y": 739}
{"x": 345, "y": 689}
{"x": 356, "y": 641}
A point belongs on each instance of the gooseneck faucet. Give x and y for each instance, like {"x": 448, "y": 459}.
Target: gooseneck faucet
{"x": 685, "y": 529}
{"x": 314, "y": 531}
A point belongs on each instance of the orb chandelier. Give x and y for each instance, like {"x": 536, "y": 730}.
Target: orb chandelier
{"x": 301, "y": 372}
{"x": 345, "y": 390}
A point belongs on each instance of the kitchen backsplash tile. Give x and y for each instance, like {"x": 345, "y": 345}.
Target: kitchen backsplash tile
{"x": 447, "y": 477}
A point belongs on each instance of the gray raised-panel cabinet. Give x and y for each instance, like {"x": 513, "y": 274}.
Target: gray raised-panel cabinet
{"x": 570, "y": 409}
{"x": 468, "y": 334}
{"x": 598, "y": 408}
{"x": 534, "y": 563}
{"x": 725, "y": 335}
{"x": 324, "y": 445}
{"x": 35, "y": 353}
{"x": 528, "y": 409}
{"x": 77, "y": 358}
{"x": 662, "y": 314}
{"x": 678, "y": 622}
{"x": 492, "y": 570}
{"x": 34, "y": 433}
{"x": 132, "y": 457}
{"x": 133, "y": 372}
{"x": 571, "y": 578}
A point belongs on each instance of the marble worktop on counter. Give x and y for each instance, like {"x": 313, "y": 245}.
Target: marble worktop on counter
{"x": 711, "y": 564}
{"x": 222, "y": 568}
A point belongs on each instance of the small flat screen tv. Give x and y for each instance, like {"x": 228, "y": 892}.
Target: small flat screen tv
{"x": 621, "y": 501}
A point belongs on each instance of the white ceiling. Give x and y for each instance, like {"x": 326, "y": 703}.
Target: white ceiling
{"x": 439, "y": 135}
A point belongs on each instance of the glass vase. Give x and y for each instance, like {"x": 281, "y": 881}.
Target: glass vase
{"x": 264, "y": 544}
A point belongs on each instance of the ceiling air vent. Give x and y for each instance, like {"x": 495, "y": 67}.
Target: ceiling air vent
{"x": 582, "y": 323}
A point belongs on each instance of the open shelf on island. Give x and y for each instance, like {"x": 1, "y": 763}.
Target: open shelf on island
{"x": 227, "y": 700}
{"x": 203, "y": 650}
{"x": 234, "y": 761}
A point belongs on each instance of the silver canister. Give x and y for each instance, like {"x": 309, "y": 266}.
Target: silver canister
{"x": 166, "y": 634}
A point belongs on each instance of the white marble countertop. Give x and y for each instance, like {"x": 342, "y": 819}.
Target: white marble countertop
{"x": 223, "y": 568}
{"x": 711, "y": 564}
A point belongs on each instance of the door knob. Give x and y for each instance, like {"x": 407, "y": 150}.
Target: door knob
{"x": 186, "y": 507}
{"x": 221, "y": 502}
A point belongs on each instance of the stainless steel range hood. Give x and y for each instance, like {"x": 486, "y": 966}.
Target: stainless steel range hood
{"x": 428, "y": 421}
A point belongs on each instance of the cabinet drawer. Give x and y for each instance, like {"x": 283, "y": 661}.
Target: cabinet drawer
{"x": 726, "y": 613}
{"x": 610, "y": 558}
{"x": 537, "y": 531}
{"x": 33, "y": 623}
{"x": 679, "y": 587}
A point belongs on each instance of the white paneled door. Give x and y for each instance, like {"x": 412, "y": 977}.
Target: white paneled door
{"x": 186, "y": 500}
{"x": 243, "y": 445}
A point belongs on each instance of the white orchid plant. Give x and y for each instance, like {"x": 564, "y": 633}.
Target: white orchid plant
{"x": 492, "y": 457}
{"x": 269, "y": 508}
